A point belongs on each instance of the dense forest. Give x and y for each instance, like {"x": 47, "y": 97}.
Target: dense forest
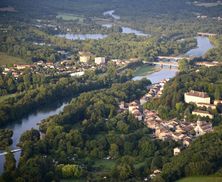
{"x": 216, "y": 53}
{"x": 93, "y": 131}
{"x": 164, "y": 21}
{"x": 91, "y": 140}
{"x": 19, "y": 41}
{"x": 13, "y": 108}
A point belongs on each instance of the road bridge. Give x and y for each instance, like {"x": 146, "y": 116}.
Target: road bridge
{"x": 170, "y": 64}
{"x": 176, "y": 58}
{"x": 13, "y": 151}
{"x": 206, "y": 34}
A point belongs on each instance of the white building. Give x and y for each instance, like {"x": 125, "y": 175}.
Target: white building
{"x": 100, "y": 60}
{"x": 176, "y": 151}
{"x": 196, "y": 97}
{"x": 77, "y": 74}
{"x": 203, "y": 127}
{"x": 202, "y": 114}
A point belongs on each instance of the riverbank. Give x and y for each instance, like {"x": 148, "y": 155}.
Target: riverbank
{"x": 203, "y": 45}
{"x": 145, "y": 69}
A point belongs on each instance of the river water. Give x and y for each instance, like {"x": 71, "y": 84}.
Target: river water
{"x": 203, "y": 45}
{"x": 33, "y": 119}
{"x": 125, "y": 30}
{"x": 26, "y": 124}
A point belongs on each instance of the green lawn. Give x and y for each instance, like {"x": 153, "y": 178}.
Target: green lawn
{"x": 69, "y": 17}
{"x": 104, "y": 165}
{"x": 2, "y": 98}
{"x": 6, "y": 59}
{"x": 144, "y": 70}
{"x": 201, "y": 179}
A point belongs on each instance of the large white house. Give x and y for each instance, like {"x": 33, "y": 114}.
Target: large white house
{"x": 196, "y": 97}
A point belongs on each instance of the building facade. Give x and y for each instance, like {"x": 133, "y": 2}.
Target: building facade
{"x": 196, "y": 97}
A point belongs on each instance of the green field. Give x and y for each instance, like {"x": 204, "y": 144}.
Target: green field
{"x": 2, "y": 98}
{"x": 201, "y": 179}
{"x": 104, "y": 165}
{"x": 69, "y": 17}
{"x": 144, "y": 70}
{"x": 6, "y": 59}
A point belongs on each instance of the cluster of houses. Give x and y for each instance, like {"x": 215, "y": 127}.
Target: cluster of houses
{"x": 47, "y": 68}
{"x": 87, "y": 61}
{"x": 180, "y": 131}
{"x": 154, "y": 91}
{"x": 203, "y": 102}
{"x": 135, "y": 107}
{"x": 63, "y": 67}
{"x": 87, "y": 57}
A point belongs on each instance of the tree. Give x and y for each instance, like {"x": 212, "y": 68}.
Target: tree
{"x": 217, "y": 93}
{"x": 124, "y": 168}
{"x": 32, "y": 135}
{"x": 69, "y": 170}
{"x": 146, "y": 147}
{"x": 183, "y": 65}
{"x": 114, "y": 150}
{"x": 10, "y": 162}
{"x": 156, "y": 163}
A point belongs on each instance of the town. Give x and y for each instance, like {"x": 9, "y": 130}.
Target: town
{"x": 87, "y": 61}
{"x": 178, "y": 130}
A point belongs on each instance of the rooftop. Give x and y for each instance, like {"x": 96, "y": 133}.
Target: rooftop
{"x": 197, "y": 94}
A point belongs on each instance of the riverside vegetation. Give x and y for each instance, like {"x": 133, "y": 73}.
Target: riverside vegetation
{"x": 90, "y": 139}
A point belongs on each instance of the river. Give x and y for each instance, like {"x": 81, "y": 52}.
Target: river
{"x": 203, "y": 45}
{"x": 33, "y": 119}
{"x": 26, "y": 124}
{"x": 125, "y": 30}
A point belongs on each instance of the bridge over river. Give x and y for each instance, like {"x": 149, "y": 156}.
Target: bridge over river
{"x": 162, "y": 63}
{"x": 13, "y": 151}
{"x": 175, "y": 58}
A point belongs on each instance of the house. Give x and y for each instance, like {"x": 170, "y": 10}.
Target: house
{"x": 176, "y": 151}
{"x": 122, "y": 105}
{"x": 208, "y": 106}
{"x": 151, "y": 123}
{"x": 143, "y": 100}
{"x": 186, "y": 141}
{"x": 22, "y": 66}
{"x": 196, "y": 97}
{"x": 133, "y": 105}
{"x": 203, "y": 127}
{"x": 138, "y": 115}
{"x": 155, "y": 173}
{"x": 77, "y": 74}
{"x": 100, "y": 60}
{"x": 162, "y": 133}
{"x": 84, "y": 57}
{"x": 202, "y": 113}
{"x": 216, "y": 102}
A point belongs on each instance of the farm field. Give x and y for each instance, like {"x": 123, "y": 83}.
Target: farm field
{"x": 69, "y": 17}
{"x": 6, "y": 59}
